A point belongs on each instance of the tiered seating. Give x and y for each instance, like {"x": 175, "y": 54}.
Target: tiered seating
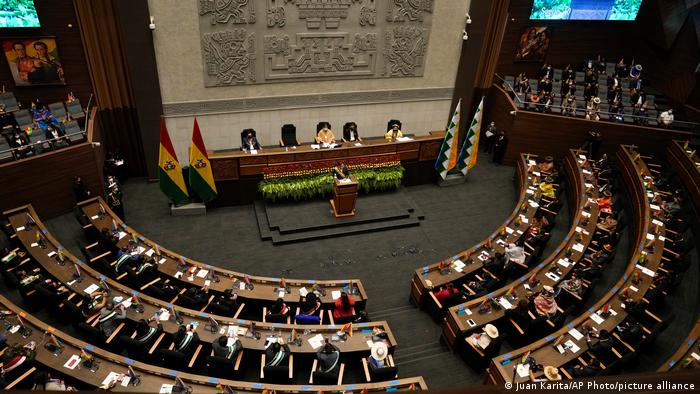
{"x": 685, "y": 161}
{"x": 55, "y": 348}
{"x": 569, "y": 257}
{"x": 32, "y": 135}
{"x": 467, "y": 266}
{"x": 79, "y": 282}
{"x": 627, "y": 304}
{"x": 97, "y": 218}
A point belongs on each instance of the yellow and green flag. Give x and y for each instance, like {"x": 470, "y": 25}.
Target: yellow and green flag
{"x": 170, "y": 174}
{"x": 201, "y": 177}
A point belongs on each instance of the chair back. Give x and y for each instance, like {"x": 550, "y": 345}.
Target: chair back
{"x": 23, "y": 118}
{"x": 75, "y": 109}
{"x": 289, "y": 135}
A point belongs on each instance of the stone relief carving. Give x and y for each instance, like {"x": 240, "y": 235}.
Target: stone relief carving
{"x": 228, "y": 11}
{"x": 229, "y": 57}
{"x": 409, "y": 10}
{"x": 404, "y": 51}
{"x": 313, "y": 39}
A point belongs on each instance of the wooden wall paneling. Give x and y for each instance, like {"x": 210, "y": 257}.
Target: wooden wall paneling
{"x": 57, "y": 19}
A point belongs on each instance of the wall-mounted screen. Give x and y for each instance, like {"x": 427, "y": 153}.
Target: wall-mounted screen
{"x": 18, "y": 13}
{"x": 611, "y": 10}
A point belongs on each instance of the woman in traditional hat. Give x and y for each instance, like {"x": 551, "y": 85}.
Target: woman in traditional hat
{"x": 545, "y": 304}
{"x": 378, "y": 354}
{"x": 484, "y": 338}
{"x": 592, "y": 109}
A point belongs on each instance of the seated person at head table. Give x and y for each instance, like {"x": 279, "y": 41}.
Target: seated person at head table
{"x": 110, "y": 315}
{"x": 341, "y": 171}
{"x": 276, "y": 353}
{"x": 185, "y": 339}
{"x": 145, "y": 332}
{"x": 545, "y": 304}
{"x": 250, "y": 141}
{"x": 324, "y": 134}
{"x": 344, "y": 307}
{"x": 350, "y": 133}
{"x": 223, "y": 350}
{"x": 328, "y": 357}
{"x": 394, "y": 130}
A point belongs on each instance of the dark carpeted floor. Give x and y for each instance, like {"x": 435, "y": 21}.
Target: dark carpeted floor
{"x": 455, "y": 218}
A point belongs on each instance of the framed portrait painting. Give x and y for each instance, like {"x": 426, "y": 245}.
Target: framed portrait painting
{"x": 533, "y": 44}
{"x": 34, "y": 61}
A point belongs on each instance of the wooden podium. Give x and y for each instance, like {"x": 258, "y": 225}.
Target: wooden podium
{"x": 344, "y": 197}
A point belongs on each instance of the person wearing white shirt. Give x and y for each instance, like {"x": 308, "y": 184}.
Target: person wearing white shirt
{"x": 666, "y": 118}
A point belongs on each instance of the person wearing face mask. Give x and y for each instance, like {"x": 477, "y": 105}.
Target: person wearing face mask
{"x": 350, "y": 133}
{"x": 249, "y": 141}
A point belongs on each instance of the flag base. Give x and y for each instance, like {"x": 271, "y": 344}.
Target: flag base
{"x": 191, "y": 209}
{"x": 452, "y": 179}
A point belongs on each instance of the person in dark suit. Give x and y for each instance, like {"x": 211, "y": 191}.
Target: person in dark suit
{"x": 110, "y": 315}
{"x": 276, "y": 354}
{"x": 226, "y": 304}
{"x": 328, "y": 357}
{"x": 602, "y": 347}
{"x": 56, "y": 135}
{"x": 350, "y": 133}
{"x": 249, "y": 141}
{"x": 499, "y": 147}
{"x": 80, "y": 190}
{"x": 341, "y": 171}
{"x": 185, "y": 340}
{"x": 223, "y": 350}
{"x": 602, "y": 256}
{"x": 145, "y": 332}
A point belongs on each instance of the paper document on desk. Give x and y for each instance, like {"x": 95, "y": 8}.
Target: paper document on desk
{"x": 166, "y": 389}
{"x": 586, "y": 214}
{"x": 51, "y": 254}
{"x": 505, "y": 303}
{"x": 315, "y": 146}
{"x": 303, "y": 292}
{"x": 646, "y": 270}
{"x": 657, "y": 222}
{"x": 344, "y": 181}
{"x": 576, "y": 334}
{"x": 335, "y": 294}
{"x": 150, "y": 252}
{"x": 91, "y": 289}
{"x": 72, "y": 362}
{"x": 20, "y": 228}
{"x": 596, "y": 318}
{"x": 523, "y": 370}
{"x": 253, "y": 152}
{"x": 121, "y": 234}
{"x": 578, "y": 247}
{"x": 404, "y": 139}
{"x": 564, "y": 262}
{"x": 571, "y": 345}
{"x": 202, "y": 273}
{"x": 164, "y": 315}
{"x": 655, "y": 207}
{"x": 316, "y": 341}
{"x": 552, "y": 276}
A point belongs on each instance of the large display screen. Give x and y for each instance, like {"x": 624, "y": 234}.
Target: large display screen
{"x": 611, "y": 10}
{"x": 18, "y": 13}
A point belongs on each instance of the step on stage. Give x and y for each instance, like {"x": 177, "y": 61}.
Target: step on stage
{"x": 286, "y": 222}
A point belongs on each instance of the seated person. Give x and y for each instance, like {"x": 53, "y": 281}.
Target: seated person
{"x": 341, "y": 171}
{"x": 44, "y": 382}
{"x": 146, "y": 267}
{"x": 572, "y": 285}
{"x": 602, "y": 256}
{"x": 145, "y": 332}
{"x": 496, "y": 264}
{"x": 344, "y": 307}
{"x": 483, "y": 339}
{"x": 582, "y": 371}
{"x": 394, "y": 130}
{"x": 324, "y": 134}
{"x": 545, "y": 304}
{"x": 223, "y": 350}
{"x": 378, "y": 354}
{"x": 547, "y": 166}
{"x": 42, "y": 116}
{"x": 328, "y": 357}
{"x": 276, "y": 353}
{"x": 56, "y": 135}
{"x": 195, "y": 297}
{"x": 630, "y": 331}
{"x": 666, "y": 118}
{"x": 226, "y": 304}
{"x": 20, "y": 143}
{"x": 609, "y": 224}
{"x": 519, "y": 314}
{"x": 309, "y": 304}
{"x": 605, "y": 202}
{"x": 106, "y": 240}
{"x": 125, "y": 260}
{"x": 445, "y": 292}
{"x": 185, "y": 340}
{"x": 96, "y": 302}
{"x": 589, "y": 273}
{"x": 515, "y": 253}
{"x": 110, "y": 316}
{"x": 602, "y": 347}
{"x": 279, "y": 308}
{"x": 350, "y": 133}
{"x": 547, "y": 188}
{"x": 249, "y": 141}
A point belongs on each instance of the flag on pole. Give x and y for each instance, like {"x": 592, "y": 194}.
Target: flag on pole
{"x": 470, "y": 148}
{"x": 447, "y": 158}
{"x": 170, "y": 175}
{"x": 201, "y": 177}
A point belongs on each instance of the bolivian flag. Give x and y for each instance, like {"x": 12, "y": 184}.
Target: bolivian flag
{"x": 170, "y": 175}
{"x": 201, "y": 177}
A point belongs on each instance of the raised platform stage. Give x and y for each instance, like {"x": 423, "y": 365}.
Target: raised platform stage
{"x": 287, "y": 222}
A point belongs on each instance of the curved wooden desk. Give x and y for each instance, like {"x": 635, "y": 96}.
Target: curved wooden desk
{"x": 64, "y": 273}
{"x": 153, "y": 377}
{"x": 564, "y": 258}
{"x": 634, "y": 172}
{"x": 686, "y": 164}
{"x": 264, "y": 288}
{"x": 688, "y": 352}
{"x": 439, "y": 276}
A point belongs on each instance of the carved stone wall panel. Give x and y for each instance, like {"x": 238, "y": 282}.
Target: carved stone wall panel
{"x": 303, "y": 40}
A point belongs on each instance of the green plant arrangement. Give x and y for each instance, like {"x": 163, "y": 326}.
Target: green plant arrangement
{"x": 379, "y": 173}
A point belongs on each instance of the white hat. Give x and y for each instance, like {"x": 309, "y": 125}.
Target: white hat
{"x": 491, "y": 331}
{"x": 379, "y": 351}
{"x": 552, "y": 373}
{"x": 548, "y": 289}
